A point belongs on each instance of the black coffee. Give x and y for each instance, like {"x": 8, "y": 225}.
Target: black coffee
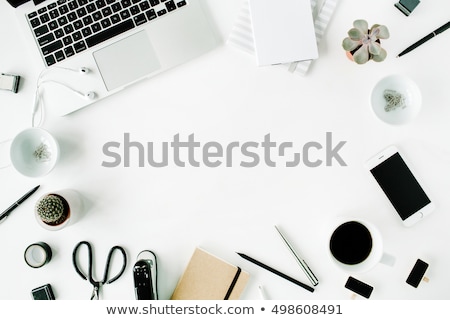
{"x": 351, "y": 243}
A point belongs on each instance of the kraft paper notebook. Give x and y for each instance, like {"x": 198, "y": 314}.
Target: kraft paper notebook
{"x": 208, "y": 277}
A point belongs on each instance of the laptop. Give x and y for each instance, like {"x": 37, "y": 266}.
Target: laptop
{"x": 119, "y": 42}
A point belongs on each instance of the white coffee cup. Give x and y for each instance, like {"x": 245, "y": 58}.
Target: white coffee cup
{"x": 355, "y": 245}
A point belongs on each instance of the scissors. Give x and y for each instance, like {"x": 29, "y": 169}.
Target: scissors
{"x": 98, "y": 284}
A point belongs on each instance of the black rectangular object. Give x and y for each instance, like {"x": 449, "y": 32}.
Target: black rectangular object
{"x": 417, "y": 273}
{"x": 44, "y": 292}
{"x": 400, "y": 186}
{"x": 143, "y": 283}
{"x": 16, "y": 3}
{"x": 109, "y": 33}
{"x": 359, "y": 287}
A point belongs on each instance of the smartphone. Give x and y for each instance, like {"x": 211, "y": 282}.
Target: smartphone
{"x": 359, "y": 287}
{"x": 400, "y": 185}
{"x": 417, "y": 273}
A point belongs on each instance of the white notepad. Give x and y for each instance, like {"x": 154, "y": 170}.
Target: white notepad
{"x": 241, "y": 37}
{"x": 283, "y": 31}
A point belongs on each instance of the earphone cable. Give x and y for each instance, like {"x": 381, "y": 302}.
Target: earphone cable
{"x": 39, "y": 100}
{"x": 38, "y": 107}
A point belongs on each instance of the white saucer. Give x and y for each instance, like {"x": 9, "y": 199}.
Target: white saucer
{"x": 407, "y": 89}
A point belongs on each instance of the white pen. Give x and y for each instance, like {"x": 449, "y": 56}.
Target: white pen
{"x": 300, "y": 261}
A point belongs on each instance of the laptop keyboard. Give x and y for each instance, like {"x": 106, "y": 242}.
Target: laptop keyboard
{"x": 65, "y": 28}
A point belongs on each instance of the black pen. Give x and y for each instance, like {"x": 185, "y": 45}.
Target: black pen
{"x": 425, "y": 39}
{"x": 6, "y": 213}
{"x": 278, "y": 273}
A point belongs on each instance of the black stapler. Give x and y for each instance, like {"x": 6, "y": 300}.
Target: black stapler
{"x": 145, "y": 276}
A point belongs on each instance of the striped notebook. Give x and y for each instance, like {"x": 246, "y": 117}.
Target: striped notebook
{"x": 242, "y": 34}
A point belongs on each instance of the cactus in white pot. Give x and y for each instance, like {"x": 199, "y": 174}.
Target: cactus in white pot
{"x": 52, "y": 209}
{"x": 364, "y": 43}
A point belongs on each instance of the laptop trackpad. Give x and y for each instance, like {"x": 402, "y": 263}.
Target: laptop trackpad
{"x": 126, "y": 60}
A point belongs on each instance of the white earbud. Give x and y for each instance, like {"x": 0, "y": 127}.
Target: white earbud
{"x": 90, "y": 95}
{"x": 83, "y": 70}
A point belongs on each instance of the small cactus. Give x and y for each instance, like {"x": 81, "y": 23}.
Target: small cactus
{"x": 364, "y": 43}
{"x": 52, "y": 209}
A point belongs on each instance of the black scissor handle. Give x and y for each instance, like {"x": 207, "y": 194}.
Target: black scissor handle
{"x": 75, "y": 263}
{"x": 90, "y": 264}
{"x": 108, "y": 262}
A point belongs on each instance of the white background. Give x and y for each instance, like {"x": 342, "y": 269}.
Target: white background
{"x": 224, "y": 97}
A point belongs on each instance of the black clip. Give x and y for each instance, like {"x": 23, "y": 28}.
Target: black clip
{"x": 9, "y": 82}
{"x": 407, "y": 6}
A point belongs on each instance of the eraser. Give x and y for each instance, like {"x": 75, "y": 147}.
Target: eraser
{"x": 407, "y": 6}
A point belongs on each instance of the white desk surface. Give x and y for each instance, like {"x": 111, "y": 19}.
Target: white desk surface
{"x": 224, "y": 97}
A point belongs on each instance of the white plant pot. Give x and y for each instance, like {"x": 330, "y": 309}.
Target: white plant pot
{"x": 74, "y": 207}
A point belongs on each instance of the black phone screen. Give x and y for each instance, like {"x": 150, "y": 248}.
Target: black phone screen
{"x": 400, "y": 186}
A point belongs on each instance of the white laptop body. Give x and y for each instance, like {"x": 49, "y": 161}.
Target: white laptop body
{"x": 139, "y": 53}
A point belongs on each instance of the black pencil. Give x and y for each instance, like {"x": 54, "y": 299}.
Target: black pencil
{"x": 278, "y": 273}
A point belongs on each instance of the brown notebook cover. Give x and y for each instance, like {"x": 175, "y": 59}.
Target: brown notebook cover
{"x": 208, "y": 277}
